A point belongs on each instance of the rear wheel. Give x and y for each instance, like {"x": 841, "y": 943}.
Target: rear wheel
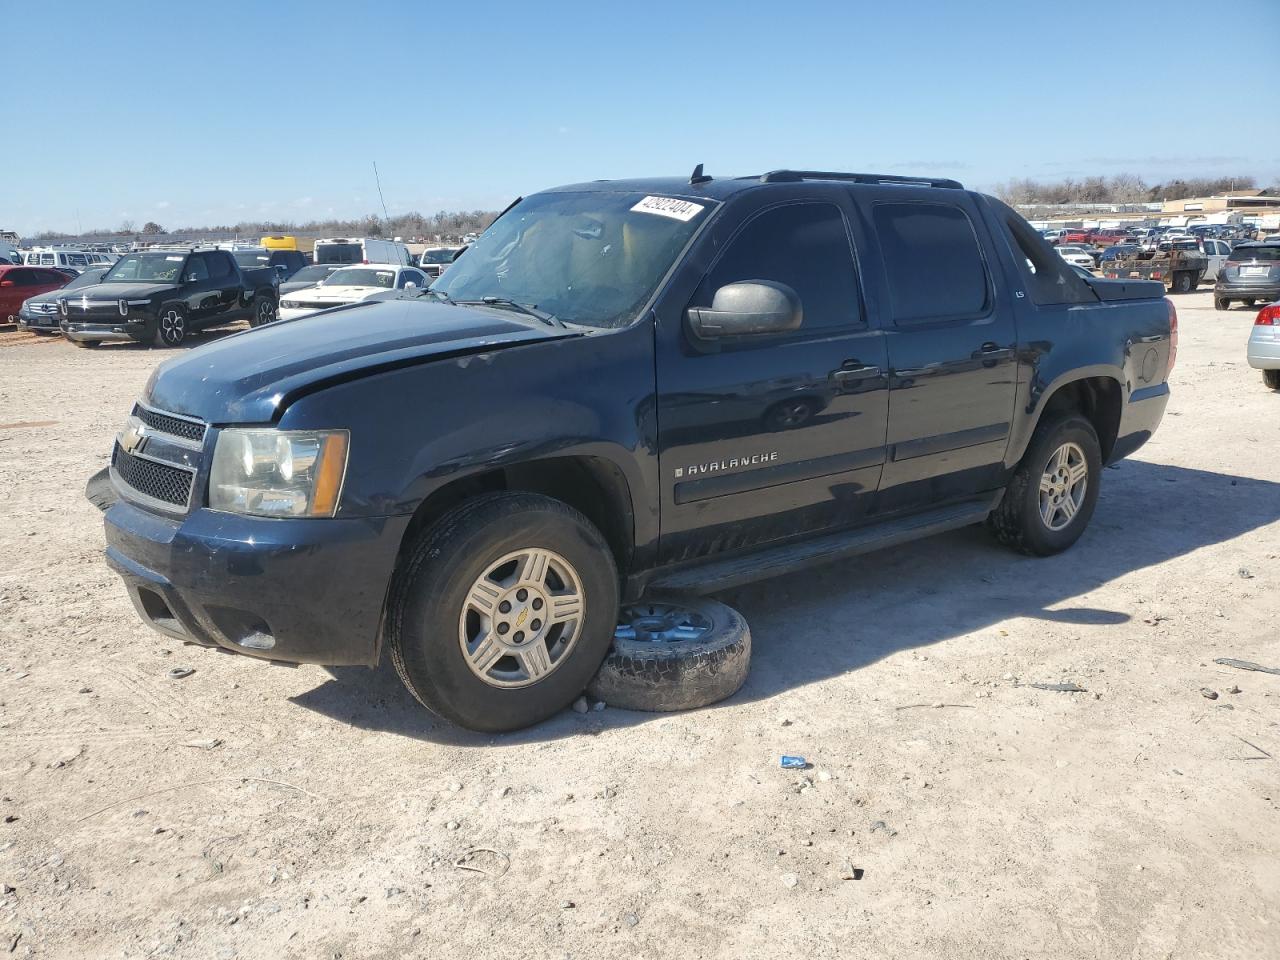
{"x": 1221, "y": 303}
{"x": 1249, "y": 301}
{"x": 1051, "y": 497}
{"x": 1271, "y": 378}
{"x": 502, "y": 611}
{"x": 171, "y": 326}
{"x": 1184, "y": 282}
{"x": 263, "y": 312}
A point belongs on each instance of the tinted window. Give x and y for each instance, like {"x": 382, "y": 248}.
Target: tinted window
{"x": 1049, "y": 279}
{"x": 197, "y": 268}
{"x": 933, "y": 260}
{"x": 339, "y": 253}
{"x": 21, "y": 278}
{"x": 1244, "y": 254}
{"x": 412, "y": 276}
{"x": 219, "y": 266}
{"x": 804, "y": 245}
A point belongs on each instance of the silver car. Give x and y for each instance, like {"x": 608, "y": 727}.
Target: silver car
{"x": 1264, "y": 345}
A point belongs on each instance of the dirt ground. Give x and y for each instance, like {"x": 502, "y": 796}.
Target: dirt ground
{"x": 265, "y": 812}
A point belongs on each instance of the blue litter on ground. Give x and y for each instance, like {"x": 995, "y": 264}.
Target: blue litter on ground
{"x": 794, "y": 763}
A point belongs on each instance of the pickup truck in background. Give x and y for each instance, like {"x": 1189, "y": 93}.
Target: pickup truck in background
{"x": 627, "y": 386}
{"x": 164, "y": 296}
{"x": 1179, "y": 264}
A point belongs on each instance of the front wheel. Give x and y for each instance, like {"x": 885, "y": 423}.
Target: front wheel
{"x": 502, "y": 611}
{"x": 1051, "y": 497}
{"x": 171, "y": 326}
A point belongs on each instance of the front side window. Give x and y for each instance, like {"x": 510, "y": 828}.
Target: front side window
{"x": 803, "y": 245}
{"x": 933, "y": 261}
{"x": 588, "y": 258}
{"x": 1049, "y": 279}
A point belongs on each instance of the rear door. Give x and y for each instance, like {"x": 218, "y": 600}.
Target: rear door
{"x": 225, "y": 278}
{"x": 951, "y": 341}
{"x": 774, "y": 436}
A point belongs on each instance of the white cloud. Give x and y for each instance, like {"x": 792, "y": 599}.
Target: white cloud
{"x": 163, "y": 204}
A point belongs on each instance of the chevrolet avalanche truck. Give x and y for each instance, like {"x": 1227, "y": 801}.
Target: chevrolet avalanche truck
{"x": 164, "y": 296}
{"x": 665, "y": 384}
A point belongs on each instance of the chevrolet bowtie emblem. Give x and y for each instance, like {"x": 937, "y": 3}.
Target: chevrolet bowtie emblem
{"x": 134, "y": 435}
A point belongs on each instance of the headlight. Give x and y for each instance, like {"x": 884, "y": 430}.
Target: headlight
{"x": 278, "y": 473}
{"x": 288, "y": 304}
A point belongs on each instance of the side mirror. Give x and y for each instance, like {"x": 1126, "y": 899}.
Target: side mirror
{"x": 749, "y": 308}
{"x": 410, "y": 285}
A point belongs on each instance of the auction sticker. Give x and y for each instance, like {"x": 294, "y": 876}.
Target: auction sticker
{"x": 684, "y": 210}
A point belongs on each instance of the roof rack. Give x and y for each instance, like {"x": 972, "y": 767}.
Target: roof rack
{"x": 795, "y": 176}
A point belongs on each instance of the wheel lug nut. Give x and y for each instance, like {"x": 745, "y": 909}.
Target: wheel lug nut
{"x": 537, "y": 603}
{"x": 536, "y": 625}
{"x": 503, "y": 627}
{"x": 504, "y": 607}
{"x": 519, "y": 637}
{"x": 522, "y": 595}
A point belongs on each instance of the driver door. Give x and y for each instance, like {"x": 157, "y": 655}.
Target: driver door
{"x": 781, "y": 434}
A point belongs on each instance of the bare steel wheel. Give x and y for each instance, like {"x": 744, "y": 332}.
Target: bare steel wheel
{"x": 1063, "y": 486}
{"x": 521, "y": 618}
{"x": 171, "y": 326}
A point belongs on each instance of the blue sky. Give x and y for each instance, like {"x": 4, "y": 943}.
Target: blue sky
{"x": 191, "y": 113}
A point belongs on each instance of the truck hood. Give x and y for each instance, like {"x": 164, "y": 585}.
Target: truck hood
{"x": 251, "y": 377}
{"x": 99, "y": 292}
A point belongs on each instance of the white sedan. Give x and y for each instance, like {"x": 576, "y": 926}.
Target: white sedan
{"x": 350, "y": 285}
{"x": 1076, "y": 256}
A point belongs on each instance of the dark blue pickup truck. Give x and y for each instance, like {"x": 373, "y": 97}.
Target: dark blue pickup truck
{"x": 666, "y": 384}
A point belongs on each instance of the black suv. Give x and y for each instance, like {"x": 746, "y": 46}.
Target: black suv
{"x": 677, "y": 384}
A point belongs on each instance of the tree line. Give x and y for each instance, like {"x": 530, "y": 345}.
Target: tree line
{"x": 1121, "y": 188}
{"x": 444, "y": 225}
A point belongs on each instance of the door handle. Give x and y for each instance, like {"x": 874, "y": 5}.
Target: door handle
{"x": 992, "y": 351}
{"x": 852, "y": 371}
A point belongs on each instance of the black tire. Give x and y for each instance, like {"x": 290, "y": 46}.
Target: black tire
{"x": 264, "y": 311}
{"x": 1184, "y": 282}
{"x": 84, "y": 344}
{"x": 99, "y": 490}
{"x": 1221, "y": 303}
{"x": 1271, "y": 378}
{"x": 658, "y": 676}
{"x": 1018, "y": 522}
{"x": 1249, "y": 302}
{"x": 171, "y": 326}
{"x": 427, "y": 609}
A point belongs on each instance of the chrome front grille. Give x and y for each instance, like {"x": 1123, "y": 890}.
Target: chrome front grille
{"x": 155, "y": 481}
{"x": 157, "y": 458}
{"x": 183, "y": 427}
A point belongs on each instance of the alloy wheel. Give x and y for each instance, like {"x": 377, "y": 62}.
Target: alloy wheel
{"x": 1063, "y": 485}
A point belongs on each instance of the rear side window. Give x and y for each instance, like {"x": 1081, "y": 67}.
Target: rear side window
{"x": 1049, "y": 279}
{"x": 935, "y": 266}
{"x": 219, "y": 266}
{"x": 803, "y": 245}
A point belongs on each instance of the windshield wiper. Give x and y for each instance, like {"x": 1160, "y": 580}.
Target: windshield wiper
{"x": 529, "y": 310}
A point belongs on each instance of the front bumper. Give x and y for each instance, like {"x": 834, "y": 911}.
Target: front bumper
{"x": 1139, "y": 419}
{"x": 40, "y": 322}
{"x": 99, "y": 331}
{"x": 301, "y": 591}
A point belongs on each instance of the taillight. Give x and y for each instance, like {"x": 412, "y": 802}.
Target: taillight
{"x": 1173, "y": 336}
{"x": 1268, "y": 316}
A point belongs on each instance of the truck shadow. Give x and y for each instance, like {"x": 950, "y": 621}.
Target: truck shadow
{"x": 852, "y": 613}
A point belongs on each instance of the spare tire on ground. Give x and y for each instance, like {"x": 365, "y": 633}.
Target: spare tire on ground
{"x": 674, "y": 653}
{"x": 99, "y": 491}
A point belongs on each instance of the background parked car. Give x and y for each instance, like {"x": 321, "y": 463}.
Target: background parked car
{"x": 1251, "y": 273}
{"x": 360, "y": 250}
{"x": 285, "y": 262}
{"x": 435, "y": 260}
{"x": 350, "y": 285}
{"x": 1076, "y": 256}
{"x": 19, "y": 284}
{"x": 40, "y": 313}
{"x": 1264, "y": 345}
{"x": 309, "y": 276}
